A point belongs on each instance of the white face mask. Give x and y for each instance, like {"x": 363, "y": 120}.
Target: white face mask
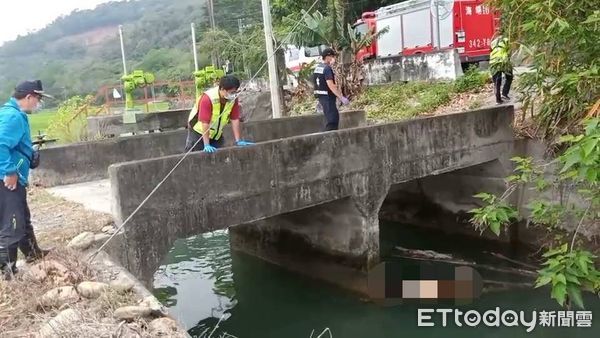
{"x": 231, "y": 96}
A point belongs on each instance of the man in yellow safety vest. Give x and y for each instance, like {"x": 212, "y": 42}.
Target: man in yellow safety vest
{"x": 500, "y": 64}
{"x": 216, "y": 107}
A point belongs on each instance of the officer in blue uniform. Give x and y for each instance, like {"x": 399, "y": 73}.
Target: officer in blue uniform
{"x": 326, "y": 89}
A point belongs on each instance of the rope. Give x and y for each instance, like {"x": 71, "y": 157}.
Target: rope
{"x": 93, "y": 256}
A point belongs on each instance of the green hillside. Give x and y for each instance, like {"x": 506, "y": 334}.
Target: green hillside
{"x": 78, "y": 53}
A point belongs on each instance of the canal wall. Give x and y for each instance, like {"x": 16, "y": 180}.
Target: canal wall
{"x": 356, "y": 166}
{"x": 255, "y": 106}
{"x": 89, "y": 161}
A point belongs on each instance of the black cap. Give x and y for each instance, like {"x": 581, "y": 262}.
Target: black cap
{"x": 328, "y": 52}
{"x": 31, "y": 87}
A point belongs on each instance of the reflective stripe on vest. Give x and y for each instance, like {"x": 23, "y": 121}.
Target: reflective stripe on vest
{"x": 218, "y": 120}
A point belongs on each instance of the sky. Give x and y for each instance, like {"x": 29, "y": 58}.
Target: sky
{"x": 23, "y": 18}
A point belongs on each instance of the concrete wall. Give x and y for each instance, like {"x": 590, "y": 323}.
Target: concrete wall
{"x": 113, "y": 124}
{"x": 242, "y": 185}
{"x": 255, "y": 105}
{"x": 444, "y": 65}
{"x": 88, "y": 161}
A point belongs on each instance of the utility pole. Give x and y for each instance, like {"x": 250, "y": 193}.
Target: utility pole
{"x": 211, "y": 15}
{"x": 195, "y": 50}
{"x": 436, "y": 11}
{"x": 122, "y": 50}
{"x": 272, "y": 61}
{"x": 240, "y": 29}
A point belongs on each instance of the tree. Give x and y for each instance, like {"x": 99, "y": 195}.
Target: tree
{"x": 568, "y": 266}
{"x": 245, "y": 50}
{"x": 560, "y": 39}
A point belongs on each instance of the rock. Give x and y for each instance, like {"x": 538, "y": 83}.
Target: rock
{"x": 132, "y": 312}
{"x": 163, "y": 327}
{"x": 48, "y": 269}
{"x": 59, "y": 297}
{"x": 101, "y": 238}
{"x": 91, "y": 290}
{"x": 131, "y": 330}
{"x": 122, "y": 284}
{"x": 157, "y": 308}
{"x": 82, "y": 241}
{"x": 62, "y": 323}
{"x": 109, "y": 229}
{"x": 37, "y": 273}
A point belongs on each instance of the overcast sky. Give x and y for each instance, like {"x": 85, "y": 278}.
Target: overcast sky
{"x": 20, "y": 17}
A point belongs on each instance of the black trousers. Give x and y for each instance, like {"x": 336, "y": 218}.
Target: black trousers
{"x": 193, "y": 137}
{"x": 497, "y": 79}
{"x": 16, "y": 230}
{"x": 330, "y": 109}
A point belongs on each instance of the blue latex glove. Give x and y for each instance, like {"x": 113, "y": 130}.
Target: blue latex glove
{"x": 345, "y": 100}
{"x": 209, "y": 149}
{"x": 243, "y": 143}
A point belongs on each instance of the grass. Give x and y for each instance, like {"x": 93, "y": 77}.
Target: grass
{"x": 399, "y": 101}
{"x": 40, "y": 121}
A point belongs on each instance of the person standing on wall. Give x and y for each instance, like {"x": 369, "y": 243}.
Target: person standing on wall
{"x": 500, "y": 64}
{"x": 326, "y": 89}
{"x": 17, "y": 156}
{"x": 215, "y": 109}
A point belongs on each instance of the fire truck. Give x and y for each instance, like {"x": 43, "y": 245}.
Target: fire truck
{"x": 423, "y": 26}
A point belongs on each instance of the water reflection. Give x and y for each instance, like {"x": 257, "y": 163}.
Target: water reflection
{"x": 203, "y": 284}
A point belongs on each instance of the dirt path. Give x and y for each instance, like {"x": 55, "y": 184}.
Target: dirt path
{"x": 57, "y": 221}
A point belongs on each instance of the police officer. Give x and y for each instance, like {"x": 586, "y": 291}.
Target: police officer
{"x": 326, "y": 89}
{"x": 500, "y": 64}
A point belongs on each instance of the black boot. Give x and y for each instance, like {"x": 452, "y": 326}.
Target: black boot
{"x": 30, "y": 248}
{"x": 8, "y": 263}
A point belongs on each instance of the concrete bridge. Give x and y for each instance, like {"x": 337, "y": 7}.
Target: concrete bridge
{"x": 333, "y": 182}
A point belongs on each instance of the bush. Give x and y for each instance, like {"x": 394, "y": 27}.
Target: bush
{"x": 69, "y": 124}
{"x": 472, "y": 80}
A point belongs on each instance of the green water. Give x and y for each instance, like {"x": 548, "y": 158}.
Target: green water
{"x": 204, "y": 284}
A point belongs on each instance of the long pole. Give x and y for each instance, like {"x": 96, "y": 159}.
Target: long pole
{"x": 272, "y": 61}
{"x": 437, "y": 24}
{"x": 243, "y": 53}
{"x": 211, "y": 15}
{"x": 195, "y": 50}
{"x": 122, "y": 50}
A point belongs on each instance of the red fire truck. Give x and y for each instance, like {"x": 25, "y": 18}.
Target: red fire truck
{"x": 423, "y": 26}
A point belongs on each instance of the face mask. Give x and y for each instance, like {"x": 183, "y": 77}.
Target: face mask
{"x": 231, "y": 96}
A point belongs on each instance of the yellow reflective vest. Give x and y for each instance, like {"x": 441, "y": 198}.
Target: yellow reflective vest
{"x": 500, "y": 55}
{"x": 220, "y": 115}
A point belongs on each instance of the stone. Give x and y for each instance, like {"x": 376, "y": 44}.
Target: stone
{"x": 62, "y": 323}
{"x": 101, "y": 238}
{"x": 163, "y": 327}
{"x": 48, "y": 269}
{"x": 59, "y": 297}
{"x": 153, "y": 304}
{"x": 91, "y": 290}
{"x": 109, "y": 229}
{"x": 82, "y": 241}
{"x": 122, "y": 284}
{"x": 132, "y": 312}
